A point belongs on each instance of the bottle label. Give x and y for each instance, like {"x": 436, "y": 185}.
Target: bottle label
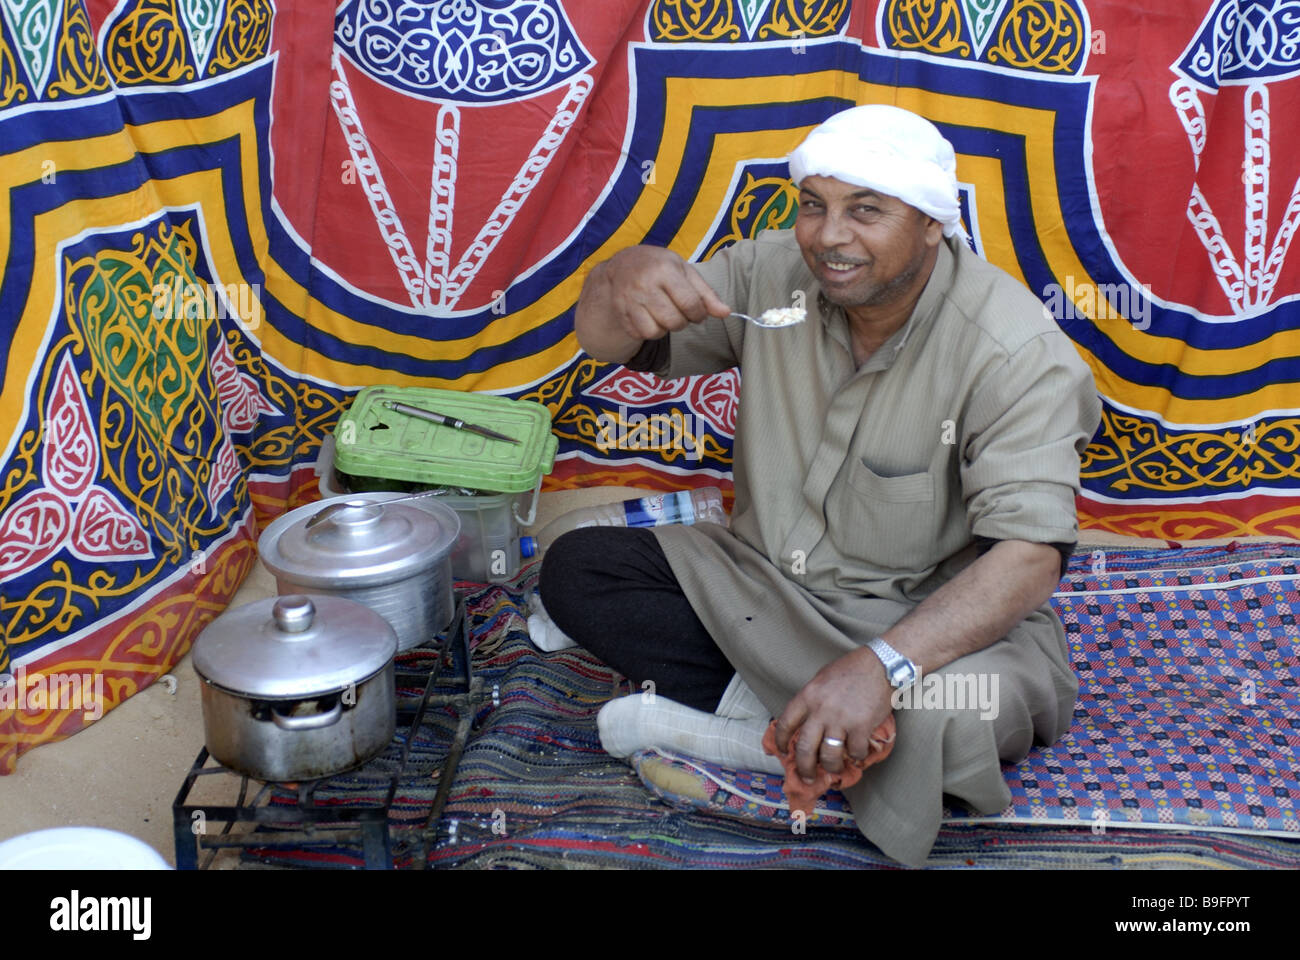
{"x": 661, "y": 509}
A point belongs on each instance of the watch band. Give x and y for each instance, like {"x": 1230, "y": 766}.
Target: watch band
{"x": 901, "y": 671}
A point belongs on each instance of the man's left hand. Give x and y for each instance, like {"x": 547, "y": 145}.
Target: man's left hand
{"x": 847, "y": 700}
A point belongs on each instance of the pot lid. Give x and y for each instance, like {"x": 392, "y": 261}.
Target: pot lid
{"x": 294, "y": 646}
{"x": 357, "y": 541}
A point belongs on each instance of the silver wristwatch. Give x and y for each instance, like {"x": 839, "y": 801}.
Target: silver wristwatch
{"x": 902, "y": 672}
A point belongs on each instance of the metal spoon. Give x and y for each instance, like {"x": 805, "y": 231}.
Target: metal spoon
{"x": 774, "y": 317}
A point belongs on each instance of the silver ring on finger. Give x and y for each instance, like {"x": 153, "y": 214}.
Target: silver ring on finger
{"x": 832, "y": 741}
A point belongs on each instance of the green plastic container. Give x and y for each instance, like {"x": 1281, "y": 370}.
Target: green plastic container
{"x": 373, "y": 441}
{"x": 379, "y": 449}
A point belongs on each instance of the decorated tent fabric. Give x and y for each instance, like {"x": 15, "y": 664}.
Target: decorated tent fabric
{"x": 223, "y": 217}
{"x": 535, "y": 789}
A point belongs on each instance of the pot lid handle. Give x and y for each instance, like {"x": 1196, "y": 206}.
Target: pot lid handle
{"x": 357, "y": 510}
{"x": 332, "y": 508}
{"x": 294, "y": 613}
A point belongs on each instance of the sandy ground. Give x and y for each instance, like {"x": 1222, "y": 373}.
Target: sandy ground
{"x": 124, "y": 771}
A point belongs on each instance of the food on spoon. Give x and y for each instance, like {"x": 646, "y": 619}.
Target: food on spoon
{"x": 782, "y": 316}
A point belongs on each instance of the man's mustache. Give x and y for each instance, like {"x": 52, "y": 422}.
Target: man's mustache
{"x": 832, "y": 258}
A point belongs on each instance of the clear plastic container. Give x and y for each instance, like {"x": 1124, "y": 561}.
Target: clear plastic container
{"x": 490, "y": 549}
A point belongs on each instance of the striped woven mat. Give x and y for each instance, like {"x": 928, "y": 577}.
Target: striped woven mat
{"x": 1183, "y": 751}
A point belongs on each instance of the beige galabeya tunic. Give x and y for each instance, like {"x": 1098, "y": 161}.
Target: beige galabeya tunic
{"x": 859, "y": 492}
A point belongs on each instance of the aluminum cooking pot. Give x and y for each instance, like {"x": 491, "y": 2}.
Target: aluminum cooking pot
{"x": 393, "y": 557}
{"x": 297, "y": 687}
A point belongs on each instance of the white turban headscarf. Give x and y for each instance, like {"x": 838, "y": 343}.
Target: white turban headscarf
{"x": 887, "y": 149}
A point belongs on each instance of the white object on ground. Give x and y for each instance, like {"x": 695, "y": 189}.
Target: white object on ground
{"x": 641, "y": 722}
{"x": 79, "y": 848}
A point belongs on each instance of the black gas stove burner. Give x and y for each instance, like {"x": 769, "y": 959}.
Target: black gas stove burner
{"x": 280, "y": 822}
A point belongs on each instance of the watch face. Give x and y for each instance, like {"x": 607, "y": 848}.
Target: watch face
{"x": 904, "y": 674}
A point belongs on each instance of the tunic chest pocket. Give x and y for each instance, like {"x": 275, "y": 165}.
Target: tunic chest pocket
{"x": 886, "y": 522}
{"x": 909, "y": 488}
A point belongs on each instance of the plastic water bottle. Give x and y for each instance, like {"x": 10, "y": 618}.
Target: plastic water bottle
{"x": 703, "y": 505}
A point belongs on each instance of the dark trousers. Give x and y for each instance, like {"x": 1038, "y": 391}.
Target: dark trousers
{"x": 611, "y": 589}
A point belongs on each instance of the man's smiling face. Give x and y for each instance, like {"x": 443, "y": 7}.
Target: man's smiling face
{"x": 865, "y": 248}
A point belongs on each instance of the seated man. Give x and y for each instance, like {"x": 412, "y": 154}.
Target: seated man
{"x": 906, "y": 462}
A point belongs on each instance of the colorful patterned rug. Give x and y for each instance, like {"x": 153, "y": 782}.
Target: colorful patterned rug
{"x": 1188, "y": 711}
{"x": 1168, "y": 763}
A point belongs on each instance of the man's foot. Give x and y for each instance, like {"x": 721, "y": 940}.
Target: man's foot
{"x": 642, "y": 722}
{"x": 543, "y": 631}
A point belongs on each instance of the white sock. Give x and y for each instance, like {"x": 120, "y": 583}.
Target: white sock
{"x": 639, "y": 722}
{"x": 543, "y": 631}
{"x": 741, "y": 703}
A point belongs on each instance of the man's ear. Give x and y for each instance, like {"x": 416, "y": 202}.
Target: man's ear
{"x": 933, "y": 231}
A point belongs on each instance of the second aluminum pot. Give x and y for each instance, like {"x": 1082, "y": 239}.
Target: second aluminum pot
{"x": 297, "y": 688}
{"x": 393, "y": 557}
